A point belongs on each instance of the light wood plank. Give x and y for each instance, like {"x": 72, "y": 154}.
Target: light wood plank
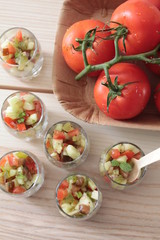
{"x": 133, "y": 214}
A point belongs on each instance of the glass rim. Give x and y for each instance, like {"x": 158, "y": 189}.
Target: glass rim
{"x": 37, "y": 167}
{"x": 51, "y": 129}
{"x": 42, "y": 114}
{"x": 97, "y": 201}
{"x": 35, "y": 41}
{"x": 142, "y": 173}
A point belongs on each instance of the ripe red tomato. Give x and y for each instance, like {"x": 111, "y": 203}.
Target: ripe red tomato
{"x": 157, "y": 97}
{"x": 155, "y": 68}
{"x": 155, "y": 2}
{"x": 142, "y": 19}
{"x": 133, "y": 98}
{"x": 102, "y": 50}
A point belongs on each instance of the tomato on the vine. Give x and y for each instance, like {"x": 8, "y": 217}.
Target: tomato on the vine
{"x": 157, "y": 97}
{"x": 155, "y": 68}
{"x": 132, "y": 98}
{"x": 142, "y": 20}
{"x": 100, "y": 52}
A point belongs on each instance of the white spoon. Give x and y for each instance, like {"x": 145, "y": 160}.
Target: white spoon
{"x": 143, "y": 162}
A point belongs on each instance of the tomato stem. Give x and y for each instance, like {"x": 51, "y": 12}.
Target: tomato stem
{"x": 120, "y": 32}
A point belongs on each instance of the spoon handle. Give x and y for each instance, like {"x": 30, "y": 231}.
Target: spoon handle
{"x": 149, "y": 158}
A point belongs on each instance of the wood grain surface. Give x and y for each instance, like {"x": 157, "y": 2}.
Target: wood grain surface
{"x": 127, "y": 215}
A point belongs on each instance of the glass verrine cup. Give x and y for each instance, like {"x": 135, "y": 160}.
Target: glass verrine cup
{"x": 21, "y": 173}
{"x": 116, "y": 164}
{"x": 66, "y": 144}
{"x": 20, "y": 53}
{"x": 24, "y": 115}
{"x": 78, "y": 197}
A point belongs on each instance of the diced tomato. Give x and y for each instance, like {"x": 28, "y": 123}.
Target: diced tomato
{"x": 11, "y": 49}
{"x": 19, "y": 36}
{"x": 18, "y": 190}
{"x": 59, "y": 135}
{"x": 64, "y": 184}
{"x": 73, "y": 132}
{"x": 11, "y": 61}
{"x": 106, "y": 178}
{"x": 128, "y": 153}
{"x": 30, "y": 164}
{"x": 62, "y": 193}
{"x": 30, "y": 112}
{"x": 10, "y": 122}
{"x": 48, "y": 144}
{"x": 21, "y": 127}
{"x": 3, "y": 162}
{"x": 137, "y": 155}
{"x": 115, "y": 153}
{"x": 13, "y": 161}
{"x": 38, "y": 108}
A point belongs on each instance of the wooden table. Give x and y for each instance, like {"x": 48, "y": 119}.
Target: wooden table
{"x": 133, "y": 214}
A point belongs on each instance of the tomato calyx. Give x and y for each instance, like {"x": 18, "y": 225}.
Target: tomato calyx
{"x": 114, "y": 89}
{"x": 89, "y": 39}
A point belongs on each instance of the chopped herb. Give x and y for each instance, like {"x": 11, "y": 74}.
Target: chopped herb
{"x": 21, "y": 120}
{"x": 126, "y": 167}
{"x": 22, "y": 114}
{"x": 115, "y": 163}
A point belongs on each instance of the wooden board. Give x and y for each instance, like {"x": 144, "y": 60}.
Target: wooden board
{"x": 133, "y": 214}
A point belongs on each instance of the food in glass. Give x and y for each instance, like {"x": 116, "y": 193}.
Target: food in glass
{"x": 66, "y": 144}
{"x": 20, "y": 173}
{"x": 20, "y": 53}
{"x": 78, "y": 197}
{"x": 24, "y": 115}
{"x": 116, "y": 165}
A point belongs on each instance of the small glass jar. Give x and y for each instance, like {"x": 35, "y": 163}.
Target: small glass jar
{"x": 21, "y": 173}
{"x": 77, "y": 213}
{"x": 112, "y": 174}
{"x": 23, "y": 59}
{"x": 10, "y": 110}
{"x": 61, "y": 159}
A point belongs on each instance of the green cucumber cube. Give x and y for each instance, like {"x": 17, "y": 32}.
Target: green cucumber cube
{"x": 94, "y": 195}
{"x": 72, "y": 152}
{"x": 32, "y": 119}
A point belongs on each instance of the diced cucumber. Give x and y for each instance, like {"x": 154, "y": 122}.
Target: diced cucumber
{"x": 29, "y": 97}
{"x": 122, "y": 159}
{"x": 67, "y": 127}
{"x": 131, "y": 147}
{"x": 5, "y": 44}
{"x": 107, "y": 165}
{"x": 120, "y": 180}
{"x": 86, "y": 201}
{"x": 91, "y": 184}
{"x": 22, "y": 62}
{"x": 105, "y": 157}
{"x": 28, "y": 67}
{"x": 15, "y": 182}
{"x": 12, "y": 172}
{"x": 59, "y": 127}
{"x": 116, "y": 172}
{"x": 83, "y": 141}
{"x": 57, "y": 145}
{"x": 72, "y": 152}
{"x": 30, "y": 45}
{"x": 28, "y": 105}
{"x": 94, "y": 195}
{"x": 20, "y": 170}
{"x": 20, "y": 179}
{"x": 118, "y": 146}
{"x": 32, "y": 119}
{"x": 12, "y": 113}
{"x": 66, "y": 207}
{"x": 20, "y": 155}
{"x": 28, "y": 184}
{"x": 15, "y": 102}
